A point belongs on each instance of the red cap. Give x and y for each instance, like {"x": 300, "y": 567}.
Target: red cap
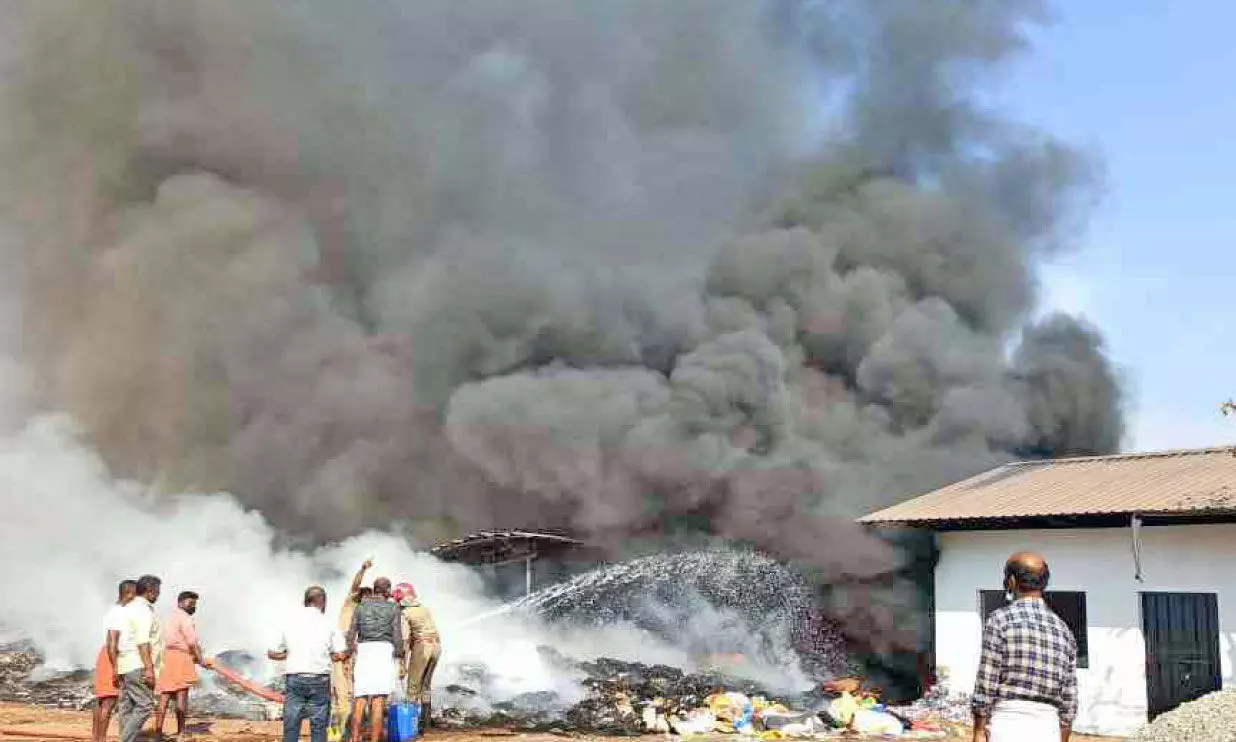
{"x": 403, "y": 590}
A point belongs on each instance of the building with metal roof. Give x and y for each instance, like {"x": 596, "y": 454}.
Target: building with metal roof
{"x": 1141, "y": 548}
{"x": 1093, "y": 489}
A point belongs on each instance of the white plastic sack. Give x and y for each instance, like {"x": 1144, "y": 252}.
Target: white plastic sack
{"x": 867, "y": 721}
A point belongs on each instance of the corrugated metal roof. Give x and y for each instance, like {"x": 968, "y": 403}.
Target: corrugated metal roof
{"x": 1172, "y": 482}
{"x": 487, "y": 547}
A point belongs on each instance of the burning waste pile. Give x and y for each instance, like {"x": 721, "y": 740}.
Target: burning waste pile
{"x": 25, "y": 679}
{"x": 621, "y": 699}
{"x": 703, "y": 602}
{"x": 630, "y": 699}
{"x": 710, "y": 602}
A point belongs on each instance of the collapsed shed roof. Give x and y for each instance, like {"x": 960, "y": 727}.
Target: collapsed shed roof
{"x": 503, "y": 547}
{"x": 1169, "y": 483}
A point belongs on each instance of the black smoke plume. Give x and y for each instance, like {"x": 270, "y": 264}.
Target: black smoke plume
{"x": 630, "y": 268}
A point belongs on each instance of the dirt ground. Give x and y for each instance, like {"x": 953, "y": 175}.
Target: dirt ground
{"x": 19, "y": 722}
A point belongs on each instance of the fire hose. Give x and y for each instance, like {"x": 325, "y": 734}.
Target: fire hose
{"x": 246, "y": 684}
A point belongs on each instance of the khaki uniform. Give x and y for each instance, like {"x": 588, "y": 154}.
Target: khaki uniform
{"x": 425, "y": 648}
{"x": 341, "y": 674}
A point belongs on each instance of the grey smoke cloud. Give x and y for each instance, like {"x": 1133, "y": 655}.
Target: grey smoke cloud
{"x": 591, "y": 265}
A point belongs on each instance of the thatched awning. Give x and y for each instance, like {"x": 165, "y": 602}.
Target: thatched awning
{"x": 503, "y": 547}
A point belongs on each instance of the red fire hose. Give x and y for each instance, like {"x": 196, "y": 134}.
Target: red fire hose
{"x": 237, "y": 679}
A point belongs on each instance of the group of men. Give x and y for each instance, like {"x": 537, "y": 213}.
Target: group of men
{"x": 142, "y": 658}
{"x": 385, "y": 643}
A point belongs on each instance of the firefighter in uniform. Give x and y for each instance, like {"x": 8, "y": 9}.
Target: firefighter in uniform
{"x": 424, "y": 648}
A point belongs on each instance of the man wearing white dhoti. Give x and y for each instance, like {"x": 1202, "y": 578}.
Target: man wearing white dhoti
{"x": 376, "y": 637}
{"x": 1026, "y": 688}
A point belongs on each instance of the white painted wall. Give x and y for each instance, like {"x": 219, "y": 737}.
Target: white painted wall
{"x": 1099, "y": 562}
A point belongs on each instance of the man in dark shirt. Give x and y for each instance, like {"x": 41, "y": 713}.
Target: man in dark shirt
{"x": 1026, "y": 687}
{"x": 376, "y": 639}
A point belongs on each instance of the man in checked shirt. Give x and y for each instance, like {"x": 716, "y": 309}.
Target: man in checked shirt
{"x": 1026, "y": 689}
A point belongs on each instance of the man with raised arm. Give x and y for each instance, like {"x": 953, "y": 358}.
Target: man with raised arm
{"x": 341, "y": 673}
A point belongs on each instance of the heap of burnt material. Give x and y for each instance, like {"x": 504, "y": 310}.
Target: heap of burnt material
{"x": 616, "y": 696}
{"x": 24, "y": 679}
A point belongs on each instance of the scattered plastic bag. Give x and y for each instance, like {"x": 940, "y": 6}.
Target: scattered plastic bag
{"x": 697, "y": 722}
{"x": 654, "y": 720}
{"x": 842, "y": 709}
{"x": 770, "y": 721}
{"x": 809, "y": 727}
{"x": 867, "y": 721}
{"x": 733, "y": 712}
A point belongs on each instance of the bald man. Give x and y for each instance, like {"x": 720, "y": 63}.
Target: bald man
{"x": 1026, "y": 688}
{"x": 309, "y": 645}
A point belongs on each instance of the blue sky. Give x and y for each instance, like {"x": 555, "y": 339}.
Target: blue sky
{"x": 1151, "y": 87}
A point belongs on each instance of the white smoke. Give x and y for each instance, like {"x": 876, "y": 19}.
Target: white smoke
{"x": 71, "y": 532}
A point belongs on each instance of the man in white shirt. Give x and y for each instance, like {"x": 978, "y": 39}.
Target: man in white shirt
{"x": 106, "y": 681}
{"x": 139, "y": 652}
{"x": 309, "y": 643}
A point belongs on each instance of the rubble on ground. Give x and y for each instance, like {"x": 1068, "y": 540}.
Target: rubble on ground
{"x": 1211, "y": 718}
{"x": 24, "y": 679}
{"x": 619, "y": 699}
{"x": 938, "y": 705}
{"x": 631, "y": 699}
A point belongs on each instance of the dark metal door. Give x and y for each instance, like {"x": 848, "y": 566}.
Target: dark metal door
{"x": 1182, "y": 648}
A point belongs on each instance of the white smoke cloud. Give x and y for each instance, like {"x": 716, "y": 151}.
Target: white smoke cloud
{"x": 71, "y": 532}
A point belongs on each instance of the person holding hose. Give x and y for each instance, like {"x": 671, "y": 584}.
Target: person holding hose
{"x": 424, "y": 649}
{"x": 182, "y": 653}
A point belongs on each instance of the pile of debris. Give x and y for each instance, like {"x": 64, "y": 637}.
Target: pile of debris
{"x": 1211, "y": 718}
{"x": 940, "y": 706}
{"x": 631, "y": 699}
{"x": 619, "y": 699}
{"x": 24, "y": 679}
